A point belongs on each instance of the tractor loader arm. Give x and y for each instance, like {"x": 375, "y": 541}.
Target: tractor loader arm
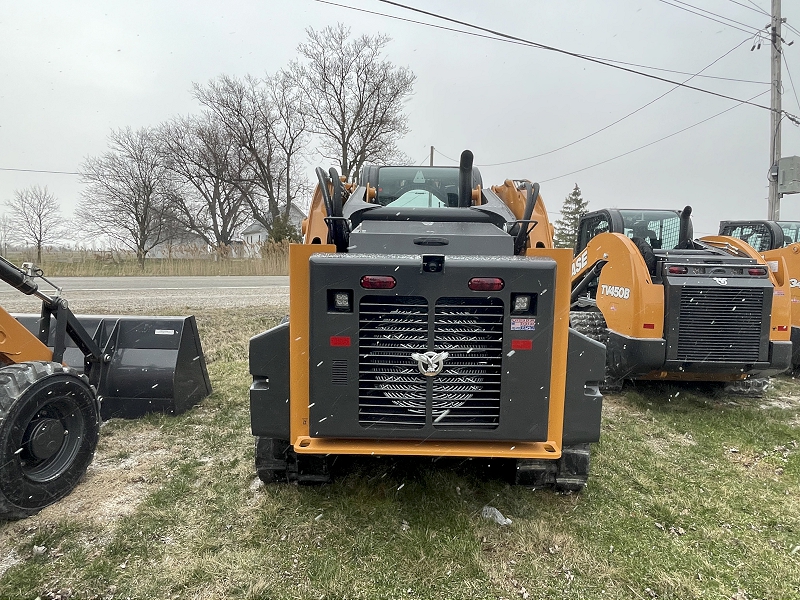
{"x": 625, "y": 293}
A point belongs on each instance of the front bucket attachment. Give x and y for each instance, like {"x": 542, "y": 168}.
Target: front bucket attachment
{"x": 157, "y": 363}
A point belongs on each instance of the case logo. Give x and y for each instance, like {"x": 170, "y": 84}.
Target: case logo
{"x": 721, "y": 280}
{"x": 580, "y": 262}
{"x": 430, "y": 364}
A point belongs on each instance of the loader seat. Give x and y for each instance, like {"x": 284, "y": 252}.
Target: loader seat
{"x": 655, "y": 243}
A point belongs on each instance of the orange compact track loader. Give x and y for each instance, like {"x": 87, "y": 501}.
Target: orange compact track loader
{"x": 775, "y": 241}
{"x": 428, "y": 317}
{"x": 670, "y": 307}
{"x": 52, "y": 397}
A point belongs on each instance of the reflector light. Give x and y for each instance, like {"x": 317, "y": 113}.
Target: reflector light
{"x": 378, "y": 282}
{"x": 522, "y": 303}
{"x": 783, "y": 328}
{"x": 676, "y": 270}
{"x": 341, "y": 300}
{"x": 486, "y": 284}
{"x": 521, "y": 344}
{"x": 757, "y": 271}
{"x": 649, "y": 326}
{"x": 340, "y": 341}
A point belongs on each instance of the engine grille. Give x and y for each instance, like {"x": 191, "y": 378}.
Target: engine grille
{"x": 393, "y": 392}
{"x": 720, "y": 324}
{"x": 467, "y": 391}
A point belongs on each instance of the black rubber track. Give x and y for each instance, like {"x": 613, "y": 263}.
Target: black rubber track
{"x": 591, "y": 323}
{"x": 49, "y": 426}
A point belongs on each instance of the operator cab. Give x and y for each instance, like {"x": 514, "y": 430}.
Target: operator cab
{"x": 762, "y": 235}
{"x": 660, "y": 229}
{"x": 432, "y": 187}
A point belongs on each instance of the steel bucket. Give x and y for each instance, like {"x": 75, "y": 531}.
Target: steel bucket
{"x": 157, "y": 363}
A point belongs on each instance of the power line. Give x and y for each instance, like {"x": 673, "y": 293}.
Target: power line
{"x": 40, "y": 171}
{"x": 653, "y": 142}
{"x": 783, "y": 54}
{"x": 630, "y": 114}
{"x": 576, "y": 55}
{"x": 750, "y": 30}
{"x": 521, "y": 43}
{"x": 757, "y": 8}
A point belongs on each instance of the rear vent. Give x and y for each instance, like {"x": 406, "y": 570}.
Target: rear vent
{"x": 339, "y": 372}
{"x": 720, "y": 324}
{"x": 392, "y": 391}
{"x": 466, "y": 394}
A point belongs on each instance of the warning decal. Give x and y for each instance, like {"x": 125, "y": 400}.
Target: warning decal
{"x": 523, "y": 324}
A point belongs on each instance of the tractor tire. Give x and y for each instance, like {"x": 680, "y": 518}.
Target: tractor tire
{"x": 566, "y": 475}
{"x": 592, "y": 324}
{"x": 49, "y": 427}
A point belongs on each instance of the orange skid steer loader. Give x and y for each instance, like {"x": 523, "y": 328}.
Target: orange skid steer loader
{"x": 776, "y": 241}
{"x": 57, "y": 381}
{"x": 673, "y": 308}
{"x": 428, "y": 317}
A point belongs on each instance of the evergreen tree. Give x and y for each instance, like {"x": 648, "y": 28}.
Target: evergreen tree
{"x": 566, "y": 227}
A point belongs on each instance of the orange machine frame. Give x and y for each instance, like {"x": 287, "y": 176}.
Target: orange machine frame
{"x": 303, "y": 443}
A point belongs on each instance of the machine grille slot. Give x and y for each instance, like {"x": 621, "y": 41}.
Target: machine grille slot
{"x": 392, "y": 392}
{"x": 720, "y": 324}
{"x": 466, "y": 394}
{"x": 339, "y": 372}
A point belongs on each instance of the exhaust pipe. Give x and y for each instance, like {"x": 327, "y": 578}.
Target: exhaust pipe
{"x": 686, "y": 232}
{"x": 465, "y": 179}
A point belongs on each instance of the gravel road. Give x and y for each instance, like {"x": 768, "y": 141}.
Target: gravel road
{"x": 143, "y": 295}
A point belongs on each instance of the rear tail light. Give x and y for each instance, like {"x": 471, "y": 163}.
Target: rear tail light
{"x": 378, "y": 282}
{"x": 521, "y": 344}
{"x": 649, "y": 326}
{"x": 486, "y": 284}
{"x": 676, "y": 270}
{"x": 757, "y": 271}
{"x": 783, "y": 328}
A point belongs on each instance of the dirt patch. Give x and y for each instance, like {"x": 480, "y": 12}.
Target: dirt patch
{"x": 782, "y": 402}
{"x": 665, "y": 443}
{"x": 115, "y": 483}
{"x": 8, "y": 559}
{"x": 117, "y": 479}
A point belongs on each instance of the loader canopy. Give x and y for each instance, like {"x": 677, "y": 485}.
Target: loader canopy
{"x": 433, "y": 187}
{"x": 659, "y": 228}
{"x": 791, "y": 231}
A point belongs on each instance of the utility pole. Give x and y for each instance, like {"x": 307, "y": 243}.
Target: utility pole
{"x": 774, "y": 202}
{"x": 431, "y": 155}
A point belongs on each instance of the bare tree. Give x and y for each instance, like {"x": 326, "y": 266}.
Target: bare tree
{"x": 125, "y": 194}
{"x": 36, "y": 216}
{"x": 354, "y": 97}
{"x": 266, "y": 117}
{"x": 210, "y": 187}
{"x": 6, "y": 234}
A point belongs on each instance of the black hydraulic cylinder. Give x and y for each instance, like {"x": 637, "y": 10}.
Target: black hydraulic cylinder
{"x": 16, "y": 278}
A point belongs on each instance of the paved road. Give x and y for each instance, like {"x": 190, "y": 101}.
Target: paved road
{"x": 116, "y": 294}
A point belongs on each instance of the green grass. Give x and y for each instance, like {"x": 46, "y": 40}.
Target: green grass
{"x": 693, "y": 494}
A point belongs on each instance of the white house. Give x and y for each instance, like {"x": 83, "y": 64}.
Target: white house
{"x": 256, "y": 233}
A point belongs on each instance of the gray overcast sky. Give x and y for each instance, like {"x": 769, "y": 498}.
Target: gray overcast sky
{"x": 72, "y": 71}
